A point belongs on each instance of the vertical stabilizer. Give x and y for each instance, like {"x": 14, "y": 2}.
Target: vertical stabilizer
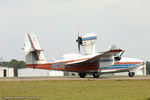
{"x": 33, "y": 52}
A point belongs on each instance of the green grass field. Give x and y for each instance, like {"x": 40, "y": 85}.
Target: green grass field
{"x": 77, "y": 89}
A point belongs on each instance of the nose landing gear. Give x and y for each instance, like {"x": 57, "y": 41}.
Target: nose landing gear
{"x": 82, "y": 75}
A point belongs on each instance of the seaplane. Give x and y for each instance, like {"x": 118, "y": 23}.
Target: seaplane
{"x": 92, "y": 63}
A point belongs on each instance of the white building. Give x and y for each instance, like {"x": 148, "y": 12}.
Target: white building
{"x": 6, "y": 72}
{"x": 29, "y": 72}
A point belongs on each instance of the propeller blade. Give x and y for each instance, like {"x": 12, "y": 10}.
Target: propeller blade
{"x": 122, "y": 53}
{"x": 79, "y": 47}
{"x": 79, "y": 40}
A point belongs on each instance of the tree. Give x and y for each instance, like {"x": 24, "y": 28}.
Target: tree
{"x": 15, "y": 64}
{"x": 147, "y": 67}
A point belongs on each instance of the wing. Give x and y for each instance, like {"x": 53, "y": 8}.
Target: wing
{"x": 97, "y": 57}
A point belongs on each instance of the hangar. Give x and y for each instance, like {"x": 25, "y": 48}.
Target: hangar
{"x": 6, "y": 72}
{"x": 29, "y": 72}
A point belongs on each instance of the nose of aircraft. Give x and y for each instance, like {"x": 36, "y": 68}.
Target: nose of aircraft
{"x": 132, "y": 60}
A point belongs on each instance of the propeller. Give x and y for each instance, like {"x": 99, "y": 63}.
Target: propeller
{"x": 79, "y": 40}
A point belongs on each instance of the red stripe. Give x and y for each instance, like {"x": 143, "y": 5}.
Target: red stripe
{"x": 31, "y": 42}
{"x": 119, "y": 50}
{"x": 36, "y": 55}
{"x": 33, "y": 47}
{"x": 72, "y": 60}
{"x": 128, "y": 63}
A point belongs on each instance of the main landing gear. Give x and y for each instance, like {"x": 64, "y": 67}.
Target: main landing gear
{"x": 96, "y": 75}
{"x": 82, "y": 75}
{"x": 131, "y": 74}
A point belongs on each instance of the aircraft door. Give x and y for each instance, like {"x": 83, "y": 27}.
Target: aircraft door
{"x": 5, "y": 73}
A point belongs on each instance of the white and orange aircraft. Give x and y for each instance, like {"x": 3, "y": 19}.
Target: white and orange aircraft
{"x": 91, "y": 62}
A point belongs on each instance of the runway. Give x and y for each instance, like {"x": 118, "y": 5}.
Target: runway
{"x": 73, "y": 78}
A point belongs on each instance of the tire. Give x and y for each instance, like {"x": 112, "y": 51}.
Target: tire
{"x": 96, "y": 75}
{"x": 82, "y": 75}
{"x": 131, "y": 74}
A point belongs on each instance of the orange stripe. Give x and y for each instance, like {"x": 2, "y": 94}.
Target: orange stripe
{"x": 128, "y": 63}
{"x": 72, "y": 60}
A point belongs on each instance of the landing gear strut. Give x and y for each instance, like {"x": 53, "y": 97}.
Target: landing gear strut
{"x": 131, "y": 74}
{"x": 96, "y": 75}
{"x": 82, "y": 75}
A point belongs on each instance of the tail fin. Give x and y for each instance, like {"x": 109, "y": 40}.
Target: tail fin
{"x": 33, "y": 52}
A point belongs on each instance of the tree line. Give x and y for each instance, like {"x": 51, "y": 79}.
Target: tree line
{"x": 148, "y": 67}
{"x": 14, "y": 64}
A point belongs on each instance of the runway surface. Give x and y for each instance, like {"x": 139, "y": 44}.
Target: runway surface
{"x": 73, "y": 78}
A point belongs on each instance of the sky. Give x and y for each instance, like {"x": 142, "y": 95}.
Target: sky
{"x": 125, "y": 23}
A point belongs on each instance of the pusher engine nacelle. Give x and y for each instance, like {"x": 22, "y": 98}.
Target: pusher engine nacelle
{"x": 117, "y": 57}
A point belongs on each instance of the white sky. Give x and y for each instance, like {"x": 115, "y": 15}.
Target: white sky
{"x": 125, "y": 23}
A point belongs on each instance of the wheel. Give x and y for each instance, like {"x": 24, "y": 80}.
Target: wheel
{"x": 82, "y": 75}
{"x": 131, "y": 74}
{"x": 96, "y": 75}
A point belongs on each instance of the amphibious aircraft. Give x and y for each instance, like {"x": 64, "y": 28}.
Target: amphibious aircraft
{"x": 109, "y": 61}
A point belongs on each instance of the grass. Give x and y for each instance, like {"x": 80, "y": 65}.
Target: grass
{"x": 77, "y": 89}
